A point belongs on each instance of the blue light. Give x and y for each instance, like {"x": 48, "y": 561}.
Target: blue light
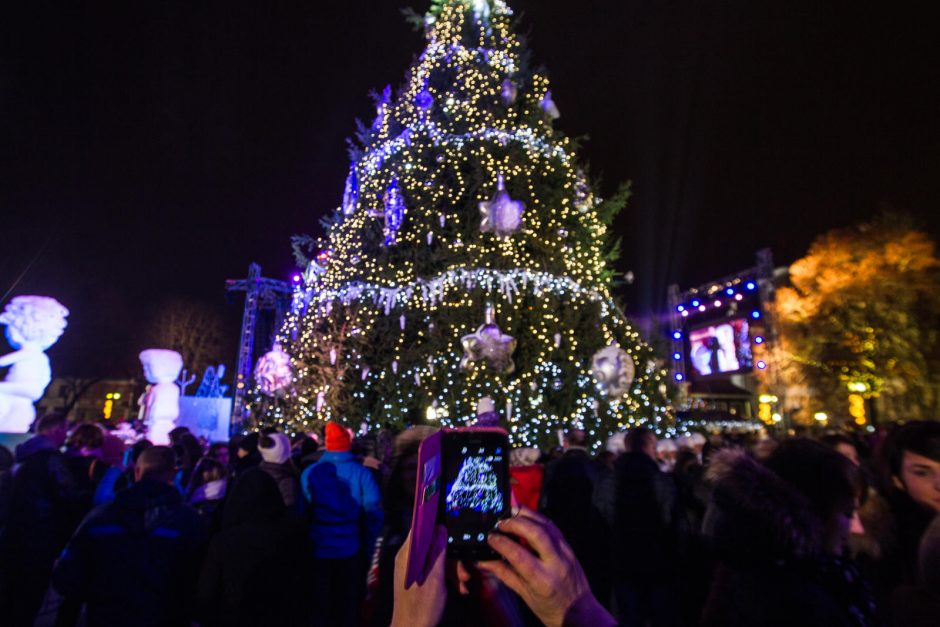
{"x": 751, "y": 286}
{"x": 759, "y": 339}
{"x": 755, "y": 314}
{"x": 677, "y": 356}
{"x": 679, "y": 376}
{"x": 729, "y": 291}
{"x": 677, "y": 335}
{"x": 680, "y": 308}
{"x": 762, "y": 364}
{"x": 695, "y": 303}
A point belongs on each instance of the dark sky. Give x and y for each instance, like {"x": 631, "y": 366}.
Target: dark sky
{"x": 150, "y": 150}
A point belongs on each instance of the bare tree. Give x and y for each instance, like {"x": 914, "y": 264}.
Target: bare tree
{"x": 191, "y": 328}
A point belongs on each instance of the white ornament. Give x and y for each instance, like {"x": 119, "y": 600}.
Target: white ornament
{"x": 501, "y": 214}
{"x": 395, "y": 366}
{"x": 442, "y": 219}
{"x": 160, "y": 404}
{"x": 489, "y": 343}
{"x": 365, "y": 373}
{"x": 614, "y": 370}
{"x": 509, "y": 92}
{"x": 401, "y": 322}
{"x": 321, "y": 399}
{"x": 549, "y": 107}
{"x": 430, "y": 237}
{"x": 34, "y": 324}
{"x": 273, "y": 372}
{"x": 557, "y": 340}
{"x": 332, "y": 356}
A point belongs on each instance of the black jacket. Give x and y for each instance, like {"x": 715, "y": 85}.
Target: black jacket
{"x": 259, "y": 567}
{"x": 288, "y": 483}
{"x": 640, "y": 505}
{"x": 135, "y": 561}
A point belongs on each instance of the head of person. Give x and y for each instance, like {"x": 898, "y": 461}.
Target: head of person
{"x": 403, "y": 469}
{"x": 176, "y": 434}
{"x": 275, "y": 448}
{"x": 156, "y": 463}
{"x": 912, "y": 457}
{"x": 519, "y": 457}
{"x": 641, "y": 440}
{"x": 666, "y": 451}
{"x": 253, "y": 497}
{"x": 247, "y": 446}
{"x": 827, "y": 480}
{"x": 53, "y": 426}
{"x": 305, "y": 445}
{"x": 338, "y": 438}
{"x": 844, "y": 446}
{"x": 576, "y": 438}
{"x": 219, "y": 452}
{"x": 139, "y": 447}
{"x": 86, "y": 439}
{"x": 206, "y": 471}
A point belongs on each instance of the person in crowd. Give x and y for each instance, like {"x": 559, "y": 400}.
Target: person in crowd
{"x": 259, "y": 567}
{"x": 543, "y": 572}
{"x": 567, "y": 488}
{"x": 45, "y": 507}
{"x": 345, "y": 505}
{"x": 646, "y": 534}
{"x": 844, "y": 446}
{"x": 131, "y": 456}
{"x": 246, "y": 453}
{"x": 207, "y": 490}
{"x": 525, "y": 476}
{"x": 83, "y": 452}
{"x": 666, "y": 452}
{"x": 219, "y": 452}
{"x": 398, "y": 505}
{"x": 275, "y": 451}
{"x": 305, "y": 450}
{"x": 135, "y": 561}
{"x": 895, "y": 521}
{"x": 188, "y": 451}
{"x": 918, "y": 605}
{"x": 779, "y": 530}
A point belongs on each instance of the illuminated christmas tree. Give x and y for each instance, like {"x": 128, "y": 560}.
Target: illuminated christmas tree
{"x": 469, "y": 258}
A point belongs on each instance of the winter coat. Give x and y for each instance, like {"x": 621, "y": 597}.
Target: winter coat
{"x": 527, "y": 484}
{"x": 772, "y": 569}
{"x": 45, "y": 504}
{"x": 208, "y": 499}
{"x": 287, "y": 482}
{"x": 345, "y": 506}
{"x": 135, "y": 561}
{"x": 639, "y": 503}
{"x": 566, "y": 499}
{"x": 259, "y": 566}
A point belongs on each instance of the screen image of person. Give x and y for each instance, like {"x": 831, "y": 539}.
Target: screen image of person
{"x": 718, "y": 349}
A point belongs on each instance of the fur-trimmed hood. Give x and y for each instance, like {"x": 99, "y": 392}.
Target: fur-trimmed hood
{"x": 756, "y": 517}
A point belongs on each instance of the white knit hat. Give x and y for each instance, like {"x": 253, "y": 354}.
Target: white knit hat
{"x": 279, "y": 452}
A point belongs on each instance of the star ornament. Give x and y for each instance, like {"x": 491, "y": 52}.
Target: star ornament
{"x": 614, "y": 370}
{"x": 501, "y": 214}
{"x": 489, "y": 344}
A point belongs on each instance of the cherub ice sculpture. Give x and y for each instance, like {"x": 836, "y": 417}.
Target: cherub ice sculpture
{"x": 160, "y": 404}
{"x": 34, "y": 323}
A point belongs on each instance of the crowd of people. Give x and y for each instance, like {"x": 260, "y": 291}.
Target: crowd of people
{"x": 724, "y": 530}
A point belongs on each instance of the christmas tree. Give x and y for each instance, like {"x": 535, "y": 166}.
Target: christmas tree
{"x": 469, "y": 258}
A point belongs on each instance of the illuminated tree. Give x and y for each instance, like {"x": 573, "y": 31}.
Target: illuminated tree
{"x": 463, "y": 206}
{"x": 862, "y": 317}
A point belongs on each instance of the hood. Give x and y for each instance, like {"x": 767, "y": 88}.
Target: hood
{"x": 756, "y": 517}
{"x": 34, "y": 445}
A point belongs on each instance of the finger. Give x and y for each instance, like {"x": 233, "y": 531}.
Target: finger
{"x": 438, "y": 551}
{"x": 463, "y": 578}
{"x": 526, "y": 564}
{"x": 401, "y": 560}
{"x": 505, "y": 574}
{"x": 535, "y": 533}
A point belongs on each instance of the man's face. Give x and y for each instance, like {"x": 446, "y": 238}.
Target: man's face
{"x": 58, "y": 435}
{"x": 920, "y": 478}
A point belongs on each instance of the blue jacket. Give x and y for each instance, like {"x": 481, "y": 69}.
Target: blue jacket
{"x": 345, "y": 506}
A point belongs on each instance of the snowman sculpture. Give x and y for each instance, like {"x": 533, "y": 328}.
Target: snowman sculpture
{"x": 34, "y": 323}
{"x": 160, "y": 404}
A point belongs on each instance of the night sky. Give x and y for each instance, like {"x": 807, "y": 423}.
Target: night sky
{"x": 150, "y": 150}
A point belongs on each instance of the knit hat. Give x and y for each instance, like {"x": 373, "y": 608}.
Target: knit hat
{"x": 338, "y": 439}
{"x": 275, "y": 448}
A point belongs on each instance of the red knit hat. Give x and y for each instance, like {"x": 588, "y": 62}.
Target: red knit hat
{"x": 338, "y": 439}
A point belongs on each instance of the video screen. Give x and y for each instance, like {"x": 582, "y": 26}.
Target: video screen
{"x": 475, "y": 489}
{"x": 721, "y": 348}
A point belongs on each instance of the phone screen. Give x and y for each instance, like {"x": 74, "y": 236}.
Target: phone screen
{"x": 476, "y": 490}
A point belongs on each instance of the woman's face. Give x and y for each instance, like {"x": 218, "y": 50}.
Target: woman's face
{"x": 920, "y": 478}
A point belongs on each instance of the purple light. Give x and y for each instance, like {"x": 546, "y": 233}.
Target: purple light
{"x": 677, "y": 335}
{"x": 679, "y": 376}
{"x": 762, "y": 364}
{"x": 759, "y": 339}
{"x": 680, "y": 308}
{"x": 695, "y": 303}
{"x": 717, "y": 303}
{"x": 295, "y": 278}
{"x": 729, "y": 291}
{"x": 677, "y": 356}
{"x": 751, "y": 286}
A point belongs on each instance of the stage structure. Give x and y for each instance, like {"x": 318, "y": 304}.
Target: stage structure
{"x": 266, "y": 303}
{"x": 722, "y": 334}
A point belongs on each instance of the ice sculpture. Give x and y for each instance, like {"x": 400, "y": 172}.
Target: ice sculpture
{"x": 34, "y": 323}
{"x": 475, "y": 488}
{"x": 160, "y": 404}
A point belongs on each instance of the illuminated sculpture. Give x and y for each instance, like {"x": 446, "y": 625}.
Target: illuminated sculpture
{"x": 34, "y": 323}
{"x": 160, "y": 404}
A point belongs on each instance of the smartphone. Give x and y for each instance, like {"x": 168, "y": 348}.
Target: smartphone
{"x": 475, "y": 494}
